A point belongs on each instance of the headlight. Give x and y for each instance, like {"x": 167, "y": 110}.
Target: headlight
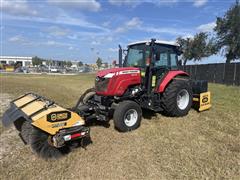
{"x": 109, "y": 75}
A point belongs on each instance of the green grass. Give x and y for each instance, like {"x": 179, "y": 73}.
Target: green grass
{"x": 198, "y": 146}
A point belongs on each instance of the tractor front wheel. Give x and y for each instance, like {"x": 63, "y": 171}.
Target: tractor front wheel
{"x": 177, "y": 98}
{"x": 127, "y": 116}
{"x": 87, "y": 95}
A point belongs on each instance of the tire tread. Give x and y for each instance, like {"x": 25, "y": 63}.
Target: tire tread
{"x": 169, "y": 103}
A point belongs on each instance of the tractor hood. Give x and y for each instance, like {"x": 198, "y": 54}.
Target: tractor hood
{"x": 115, "y": 70}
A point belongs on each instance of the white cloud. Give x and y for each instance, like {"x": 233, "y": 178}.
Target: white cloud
{"x": 163, "y": 2}
{"x": 206, "y": 27}
{"x": 73, "y": 36}
{"x": 57, "y": 31}
{"x": 54, "y": 43}
{"x": 89, "y": 5}
{"x": 101, "y": 39}
{"x": 51, "y": 43}
{"x": 134, "y": 3}
{"x": 120, "y": 30}
{"x": 167, "y": 30}
{"x": 113, "y": 49}
{"x": 66, "y": 19}
{"x": 17, "y": 8}
{"x": 109, "y": 38}
{"x": 62, "y": 19}
{"x": 106, "y": 23}
{"x": 95, "y": 42}
{"x": 131, "y": 24}
{"x": 20, "y": 40}
{"x": 188, "y": 36}
{"x": 17, "y": 38}
{"x": 199, "y": 3}
{"x": 134, "y": 22}
{"x": 124, "y": 2}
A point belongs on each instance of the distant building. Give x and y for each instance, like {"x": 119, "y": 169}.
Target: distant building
{"x": 12, "y": 60}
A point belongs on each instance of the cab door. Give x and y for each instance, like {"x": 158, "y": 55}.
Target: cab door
{"x": 164, "y": 60}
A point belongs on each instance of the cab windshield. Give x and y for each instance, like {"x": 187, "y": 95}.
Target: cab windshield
{"x": 164, "y": 56}
{"x": 136, "y": 56}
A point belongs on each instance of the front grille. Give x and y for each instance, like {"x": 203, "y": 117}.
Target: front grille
{"x": 101, "y": 84}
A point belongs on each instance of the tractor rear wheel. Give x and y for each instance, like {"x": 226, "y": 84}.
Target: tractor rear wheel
{"x": 127, "y": 116}
{"x": 42, "y": 145}
{"x": 177, "y": 98}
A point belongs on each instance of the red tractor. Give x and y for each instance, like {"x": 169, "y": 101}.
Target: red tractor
{"x": 148, "y": 79}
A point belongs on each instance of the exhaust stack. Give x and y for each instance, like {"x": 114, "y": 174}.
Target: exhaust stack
{"x": 120, "y": 55}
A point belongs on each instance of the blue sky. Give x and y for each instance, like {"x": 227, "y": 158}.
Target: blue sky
{"x": 83, "y": 30}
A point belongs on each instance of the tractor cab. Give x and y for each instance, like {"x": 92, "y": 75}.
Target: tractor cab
{"x": 154, "y": 58}
{"x": 164, "y": 55}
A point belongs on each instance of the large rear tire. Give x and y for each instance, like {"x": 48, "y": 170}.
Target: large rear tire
{"x": 177, "y": 98}
{"x": 41, "y": 144}
{"x": 127, "y": 116}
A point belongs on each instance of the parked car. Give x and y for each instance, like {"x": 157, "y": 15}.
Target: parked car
{"x": 54, "y": 69}
{"x": 22, "y": 69}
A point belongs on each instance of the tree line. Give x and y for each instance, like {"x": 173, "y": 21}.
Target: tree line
{"x": 225, "y": 38}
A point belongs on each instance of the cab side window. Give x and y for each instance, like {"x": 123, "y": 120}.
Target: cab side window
{"x": 165, "y": 56}
{"x": 173, "y": 59}
{"x": 135, "y": 57}
{"x": 161, "y": 59}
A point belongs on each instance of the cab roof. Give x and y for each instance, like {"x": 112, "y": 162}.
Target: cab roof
{"x": 157, "y": 42}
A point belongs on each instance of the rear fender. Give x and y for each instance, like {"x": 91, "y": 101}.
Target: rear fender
{"x": 168, "y": 78}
